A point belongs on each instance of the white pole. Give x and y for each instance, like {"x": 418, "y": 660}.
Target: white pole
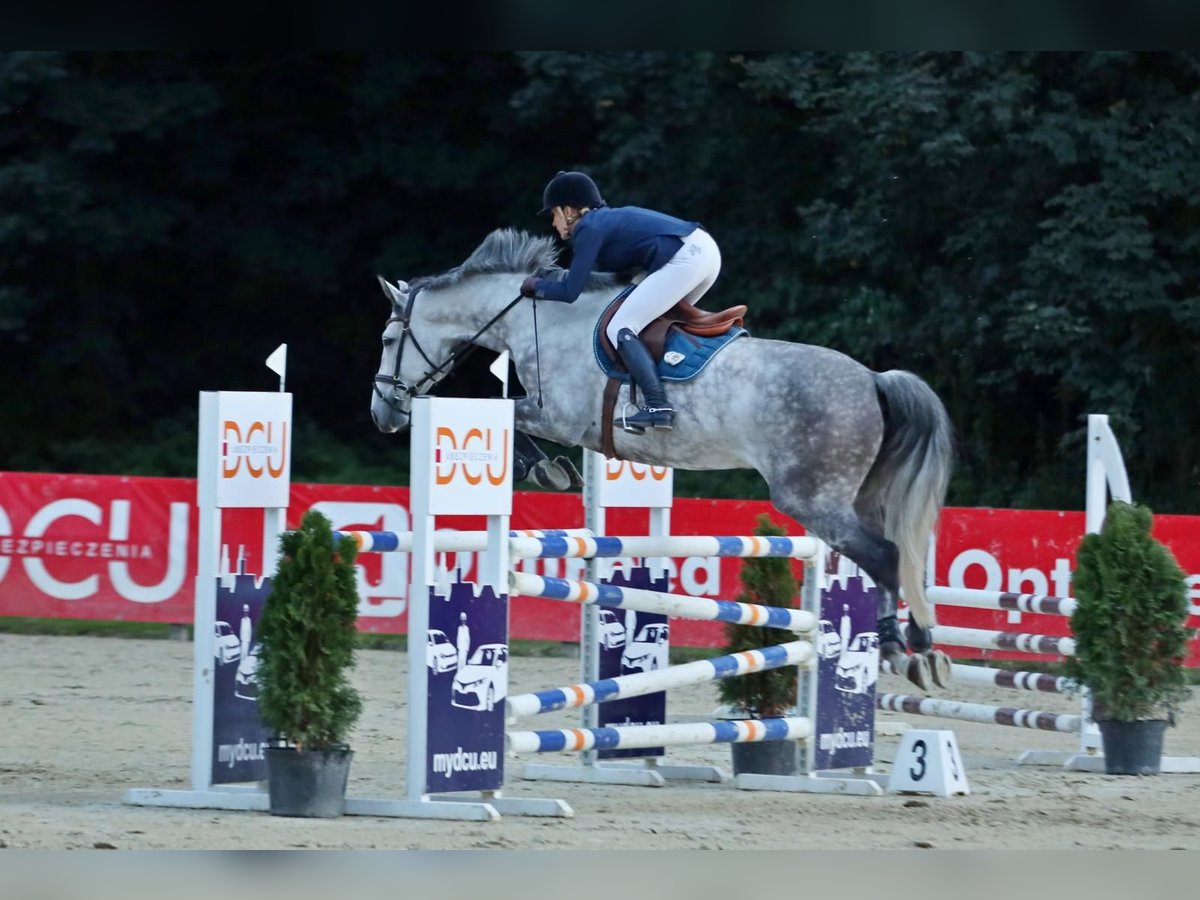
{"x": 205, "y": 614}
{"x": 423, "y": 572}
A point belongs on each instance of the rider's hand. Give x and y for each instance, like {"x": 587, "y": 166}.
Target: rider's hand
{"x": 529, "y": 286}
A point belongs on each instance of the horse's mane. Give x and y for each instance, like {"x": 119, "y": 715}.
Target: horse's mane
{"x": 510, "y": 250}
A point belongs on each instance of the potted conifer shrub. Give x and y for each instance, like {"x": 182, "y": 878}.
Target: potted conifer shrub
{"x": 1130, "y": 638}
{"x": 308, "y": 643}
{"x": 763, "y": 695}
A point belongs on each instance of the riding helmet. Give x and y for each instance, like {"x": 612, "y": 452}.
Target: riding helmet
{"x": 571, "y": 189}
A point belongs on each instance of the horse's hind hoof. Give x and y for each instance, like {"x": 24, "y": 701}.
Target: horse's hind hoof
{"x": 917, "y": 670}
{"x": 940, "y": 667}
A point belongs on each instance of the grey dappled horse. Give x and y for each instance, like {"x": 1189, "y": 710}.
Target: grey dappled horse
{"x": 860, "y": 458}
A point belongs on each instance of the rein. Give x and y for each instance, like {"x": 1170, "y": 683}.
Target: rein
{"x": 445, "y": 367}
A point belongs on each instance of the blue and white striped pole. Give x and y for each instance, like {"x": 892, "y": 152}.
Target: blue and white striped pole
{"x": 445, "y": 541}
{"x": 683, "y": 606}
{"x": 575, "y": 696}
{"x": 628, "y": 737}
{"x": 589, "y": 547}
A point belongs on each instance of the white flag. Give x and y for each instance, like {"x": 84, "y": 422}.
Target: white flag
{"x": 277, "y": 361}
{"x": 500, "y": 369}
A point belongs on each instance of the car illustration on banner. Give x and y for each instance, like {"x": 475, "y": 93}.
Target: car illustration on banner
{"x": 647, "y": 651}
{"x": 245, "y": 682}
{"x": 227, "y": 646}
{"x": 858, "y": 666}
{"x": 612, "y": 632}
{"x": 440, "y": 654}
{"x": 829, "y": 642}
{"x": 483, "y": 680}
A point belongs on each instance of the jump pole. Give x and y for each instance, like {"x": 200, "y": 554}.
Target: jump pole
{"x": 609, "y": 483}
{"x": 861, "y": 781}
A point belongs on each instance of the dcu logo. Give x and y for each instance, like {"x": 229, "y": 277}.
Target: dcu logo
{"x": 260, "y": 450}
{"x": 471, "y": 456}
{"x": 616, "y": 469}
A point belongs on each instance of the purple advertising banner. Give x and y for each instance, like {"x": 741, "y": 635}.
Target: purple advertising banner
{"x": 466, "y": 652}
{"x": 632, "y": 642}
{"x": 848, "y": 661}
{"x": 239, "y": 738}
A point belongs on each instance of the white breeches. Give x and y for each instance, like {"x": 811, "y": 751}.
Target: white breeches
{"x": 687, "y": 276}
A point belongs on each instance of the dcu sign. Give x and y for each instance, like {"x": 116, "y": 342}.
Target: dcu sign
{"x": 254, "y": 460}
{"x": 468, "y": 447}
{"x": 631, "y": 484}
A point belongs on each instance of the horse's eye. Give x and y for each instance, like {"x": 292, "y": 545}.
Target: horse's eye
{"x": 388, "y": 341}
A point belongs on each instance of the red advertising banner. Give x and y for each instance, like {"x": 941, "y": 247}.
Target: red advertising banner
{"x": 124, "y": 548}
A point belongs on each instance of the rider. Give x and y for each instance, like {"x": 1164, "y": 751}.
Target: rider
{"x": 681, "y": 258}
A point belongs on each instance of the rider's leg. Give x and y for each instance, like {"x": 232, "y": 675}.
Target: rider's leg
{"x": 657, "y": 412}
{"x": 686, "y": 276}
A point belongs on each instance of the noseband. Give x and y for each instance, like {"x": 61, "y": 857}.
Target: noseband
{"x": 437, "y": 371}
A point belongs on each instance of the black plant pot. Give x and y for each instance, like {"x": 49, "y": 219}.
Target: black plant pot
{"x": 1132, "y": 748}
{"x": 764, "y": 758}
{"x": 308, "y": 783}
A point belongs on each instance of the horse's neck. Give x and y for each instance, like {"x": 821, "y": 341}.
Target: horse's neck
{"x": 565, "y": 328}
{"x": 560, "y": 327}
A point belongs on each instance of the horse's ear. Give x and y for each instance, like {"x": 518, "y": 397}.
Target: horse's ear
{"x": 397, "y": 294}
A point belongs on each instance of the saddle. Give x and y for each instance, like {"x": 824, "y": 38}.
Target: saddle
{"x": 682, "y": 317}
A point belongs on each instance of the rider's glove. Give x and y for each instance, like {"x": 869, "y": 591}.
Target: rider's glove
{"x": 529, "y": 286}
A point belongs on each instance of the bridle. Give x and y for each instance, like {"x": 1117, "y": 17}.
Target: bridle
{"x": 460, "y": 351}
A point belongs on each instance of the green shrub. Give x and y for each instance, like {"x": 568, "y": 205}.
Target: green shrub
{"x": 767, "y": 581}
{"x": 1130, "y": 639}
{"x": 309, "y": 638}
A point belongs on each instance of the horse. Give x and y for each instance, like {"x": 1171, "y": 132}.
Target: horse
{"x": 861, "y": 458}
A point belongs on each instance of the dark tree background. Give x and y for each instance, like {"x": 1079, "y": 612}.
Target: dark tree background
{"x": 1021, "y": 229}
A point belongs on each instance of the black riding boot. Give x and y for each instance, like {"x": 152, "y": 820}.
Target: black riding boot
{"x": 658, "y": 412}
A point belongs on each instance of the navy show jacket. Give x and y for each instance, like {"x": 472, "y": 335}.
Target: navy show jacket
{"x": 617, "y": 239}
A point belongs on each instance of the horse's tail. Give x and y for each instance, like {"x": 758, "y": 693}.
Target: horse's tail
{"x": 910, "y": 476}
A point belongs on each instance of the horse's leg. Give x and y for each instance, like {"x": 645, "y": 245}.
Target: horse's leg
{"x": 918, "y": 638}
{"x": 844, "y": 531}
{"x": 530, "y": 463}
{"x": 526, "y": 453}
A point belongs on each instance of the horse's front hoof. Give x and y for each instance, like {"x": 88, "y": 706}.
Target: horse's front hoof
{"x": 564, "y": 463}
{"x": 940, "y": 667}
{"x": 548, "y": 475}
